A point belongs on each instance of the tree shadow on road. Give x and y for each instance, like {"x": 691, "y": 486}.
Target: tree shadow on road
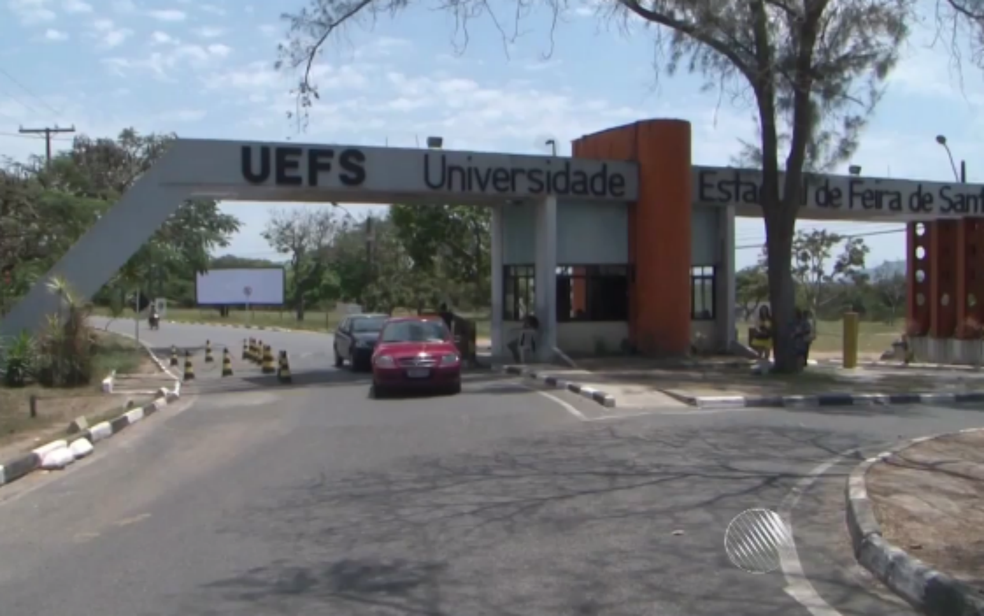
{"x": 612, "y": 520}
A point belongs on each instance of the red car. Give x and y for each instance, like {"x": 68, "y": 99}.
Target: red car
{"x": 415, "y": 353}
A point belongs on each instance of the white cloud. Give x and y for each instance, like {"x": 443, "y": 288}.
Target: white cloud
{"x": 55, "y": 35}
{"x": 161, "y": 64}
{"x": 163, "y": 38}
{"x": 115, "y": 38}
{"x": 211, "y": 8}
{"x": 31, "y": 12}
{"x": 103, "y": 25}
{"x": 268, "y": 30}
{"x": 168, "y": 15}
{"x": 182, "y": 115}
{"x": 209, "y": 32}
{"x": 76, "y": 6}
{"x": 124, "y": 6}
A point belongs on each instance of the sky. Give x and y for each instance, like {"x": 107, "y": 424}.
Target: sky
{"x": 206, "y": 69}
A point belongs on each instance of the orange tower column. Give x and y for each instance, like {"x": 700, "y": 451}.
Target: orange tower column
{"x": 970, "y": 277}
{"x": 918, "y": 264}
{"x": 659, "y": 228}
{"x": 943, "y": 275}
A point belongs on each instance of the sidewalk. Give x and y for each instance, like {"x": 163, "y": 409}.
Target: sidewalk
{"x": 728, "y": 381}
{"x": 917, "y": 515}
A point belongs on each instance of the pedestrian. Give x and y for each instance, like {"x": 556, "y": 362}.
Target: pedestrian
{"x": 799, "y": 337}
{"x": 809, "y": 334}
{"x": 762, "y": 335}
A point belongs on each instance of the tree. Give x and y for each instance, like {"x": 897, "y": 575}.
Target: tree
{"x": 891, "y": 287}
{"x": 812, "y": 267}
{"x": 454, "y": 239}
{"x": 810, "y": 69}
{"x": 305, "y": 236}
{"x": 751, "y": 289}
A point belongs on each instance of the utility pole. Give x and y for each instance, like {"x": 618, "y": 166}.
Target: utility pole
{"x": 370, "y": 238}
{"x": 47, "y": 132}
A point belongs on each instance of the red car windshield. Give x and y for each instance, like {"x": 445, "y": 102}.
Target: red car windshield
{"x": 414, "y": 331}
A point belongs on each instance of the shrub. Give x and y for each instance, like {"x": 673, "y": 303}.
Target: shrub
{"x": 65, "y": 347}
{"x": 19, "y": 360}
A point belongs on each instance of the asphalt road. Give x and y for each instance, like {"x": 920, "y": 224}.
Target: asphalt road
{"x": 258, "y": 498}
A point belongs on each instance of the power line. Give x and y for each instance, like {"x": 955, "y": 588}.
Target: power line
{"x": 33, "y": 137}
{"x": 853, "y": 235}
{"x": 30, "y": 93}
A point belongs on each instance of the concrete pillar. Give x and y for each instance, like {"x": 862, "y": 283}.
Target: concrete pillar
{"x": 725, "y": 291}
{"x": 498, "y": 290}
{"x": 103, "y": 250}
{"x": 546, "y": 276}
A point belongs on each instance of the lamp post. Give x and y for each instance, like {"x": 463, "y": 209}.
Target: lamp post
{"x": 854, "y": 170}
{"x": 960, "y": 176}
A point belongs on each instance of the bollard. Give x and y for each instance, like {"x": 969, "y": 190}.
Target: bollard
{"x": 226, "y": 363}
{"x": 189, "y": 371}
{"x": 283, "y": 370}
{"x": 260, "y": 352}
{"x": 850, "y": 341}
{"x": 245, "y": 349}
{"x": 268, "y": 367}
{"x": 174, "y": 355}
{"x": 208, "y": 352}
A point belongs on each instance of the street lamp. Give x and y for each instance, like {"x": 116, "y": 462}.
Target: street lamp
{"x": 854, "y": 169}
{"x": 960, "y": 176}
{"x": 435, "y": 143}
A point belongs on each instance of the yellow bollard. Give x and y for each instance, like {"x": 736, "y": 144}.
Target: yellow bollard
{"x": 268, "y": 367}
{"x": 174, "y": 355}
{"x": 850, "y": 342}
{"x": 226, "y": 363}
{"x": 189, "y": 369}
{"x": 245, "y": 349}
{"x": 283, "y": 370}
{"x": 208, "y": 352}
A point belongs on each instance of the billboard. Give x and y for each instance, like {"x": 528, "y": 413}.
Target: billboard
{"x": 255, "y": 286}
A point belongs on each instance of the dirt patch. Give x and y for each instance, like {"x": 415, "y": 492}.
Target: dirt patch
{"x": 55, "y": 408}
{"x": 929, "y": 500}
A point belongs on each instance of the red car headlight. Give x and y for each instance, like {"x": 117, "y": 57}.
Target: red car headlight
{"x": 384, "y": 361}
{"x": 449, "y": 359}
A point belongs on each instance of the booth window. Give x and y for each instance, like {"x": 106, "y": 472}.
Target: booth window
{"x": 593, "y": 293}
{"x": 519, "y": 297}
{"x": 702, "y": 279}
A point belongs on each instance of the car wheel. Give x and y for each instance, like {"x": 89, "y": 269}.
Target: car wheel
{"x": 378, "y": 392}
{"x": 454, "y": 389}
{"x": 338, "y": 360}
{"x": 352, "y": 363}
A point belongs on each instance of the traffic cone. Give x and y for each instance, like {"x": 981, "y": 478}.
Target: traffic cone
{"x": 226, "y": 363}
{"x": 189, "y": 374}
{"x": 261, "y": 351}
{"x": 208, "y": 352}
{"x": 174, "y": 355}
{"x": 245, "y": 349}
{"x": 268, "y": 367}
{"x": 283, "y": 371}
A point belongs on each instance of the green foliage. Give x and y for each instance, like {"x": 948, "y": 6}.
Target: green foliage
{"x": 19, "y": 359}
{"x": 65, "y": 357}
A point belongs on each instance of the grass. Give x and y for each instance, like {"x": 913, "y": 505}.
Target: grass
{"x": 57, "y": 407}
{"x": 313, "y": 320}
{"x": 873, "y": 337}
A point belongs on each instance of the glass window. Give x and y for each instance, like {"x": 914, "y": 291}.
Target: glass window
{"x": 414, "y": 331}
{"x": 593, "y": 292}
{"x": 702, "y": 295}
{"x": 519, "y": 292}
{"x": 368, "y": 324}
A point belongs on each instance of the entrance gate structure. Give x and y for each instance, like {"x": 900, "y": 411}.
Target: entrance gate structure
{"x": 635, "y": 243}
{"x": 282, "y": 172}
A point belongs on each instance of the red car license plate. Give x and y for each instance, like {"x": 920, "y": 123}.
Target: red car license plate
{"x": 418, "y": 373}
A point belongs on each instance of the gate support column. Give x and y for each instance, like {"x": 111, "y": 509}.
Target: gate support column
{"x": 546, "y": 276}
{"x": 498, "y": 289}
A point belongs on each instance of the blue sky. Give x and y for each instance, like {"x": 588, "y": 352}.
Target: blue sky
{"x": 206, "y": 70}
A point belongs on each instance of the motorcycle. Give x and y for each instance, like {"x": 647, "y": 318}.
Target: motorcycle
{"x": 154, "y": 321}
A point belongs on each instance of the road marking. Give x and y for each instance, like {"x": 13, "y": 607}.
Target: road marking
{"x": 676, "y": 413}
{"x": 564, "y": 404}
{"x": 797, "y": 585}
{"x": 133, "y": 519}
